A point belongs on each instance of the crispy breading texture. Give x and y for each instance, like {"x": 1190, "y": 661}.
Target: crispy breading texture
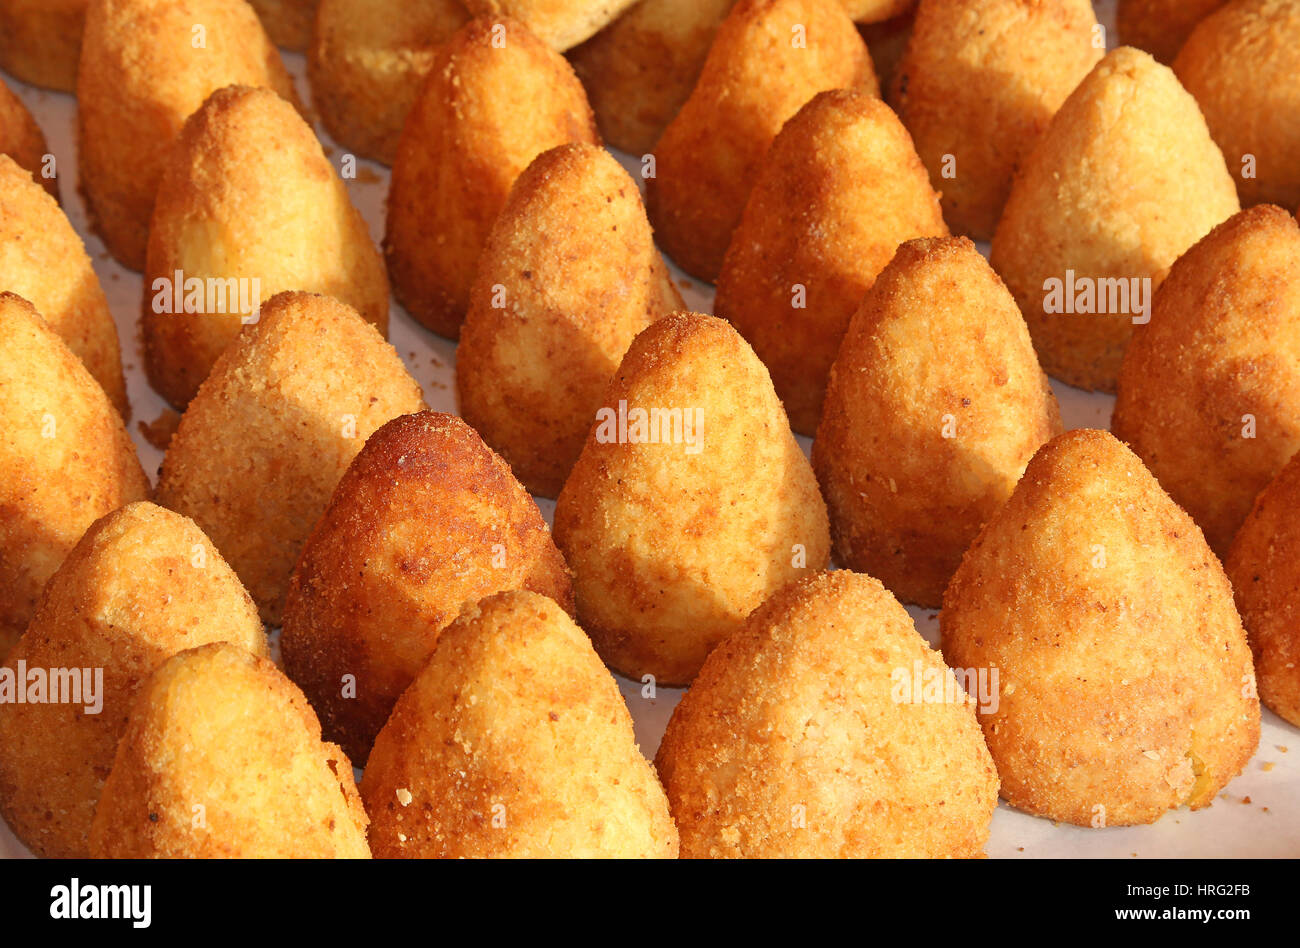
{"x": 917, "y": 449}
{"x": 426, "y": 519}
{"x": 496, "y": 98}
{"x": 1124, "y": 180}
{"x": 977, "y": 87}
{"x": 146, "y": 66}
{"x": 262, "y": 446}
{"x": 222, "y": 758}
{"x": 287, "y": 22}
{"x": 367, "y": 61}
{"x": 568, "y": 277}
{"x": 514, "y": 742}
{"x": 250, "y": 205}
{"x": 43, "y": 260}
{"x": 769, "y": 57}
{"x": 560, "y": 24}
{"x": 143, "y": 584}
{"x": 23, "y": 141}
{"x": 690, "y": 503}
{"x": 838, "y": 191}
{"x": 1126, "y": 686}
{"x": 1264, "y": 566}
{"x": 1161, "y": 26}
{"x": 794, "y": 741}
{"x": 65, "y": 459}
{"x": 1209, "y": 394}
{"x": 40, "y": 41}
{"x": 1242, "y": 63}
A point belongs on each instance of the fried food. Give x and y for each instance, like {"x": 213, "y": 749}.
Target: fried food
{"x": 567, "y": 279}
{"x": 287, "y": 22}
{"x": 1126, "y": 686}
{"x": 1161, "y": 26}
{"x": 65, "y": 459}
{"x": 1209, "y": 395}
{"x": 1125, "y": 179}
{"x": 496, "y": 98}
{"x": 917, "y": 449}
{"x": 426, "y": 519}
{"x": 514, "y": 742}
{"x": 222, "y": 758}
{"x": 1242, "y": 63}
{"x": 795, "y": 740}
{"x": 838, "y": 191}
{"x": 24, "y": 142}
{"x": 143, "y": 584}
{"x": 690, "y": 503}
{"x": 1264, "y": 566}
{"x": 248, "y": 207}
{"x": 44, "y": 261}
{"x": 977, "y": 87}
{"x": 887, "y": 41}
{"x": 146, "y": 66}
{"x": 769, "y": 57}
{"x": 40, "y": 41}
{"x": 641, "y": 68}
{"x": 560, "y": 24}
{"x": 366, "y": 62}
{"x": 876, "y": 11}
{"x": 262, "y": 446}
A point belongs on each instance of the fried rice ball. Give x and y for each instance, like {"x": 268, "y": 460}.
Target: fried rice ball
{"x": 65, "y": 459}
{"x": 287, "y": 22}
{"x": 838, "y": 191}
{"x": 143, "y": 584}
{"x": 514, "y": 742}
{"x": 769, "y": 57}
{"x": 43, "y": 260}
{"x": 222, "y": 758}
{"x": 146, "y": 66}
{"x": 796, "y": 740}
{"x": 1242, "y": 64}
{"x": 1209, "y": 395}
{"x": 496, "y": 98}
{"x": 1125, "y": 179}
{"x": 1264, "y": 566}
{"x": 690, "y": 503}
{"x": 1125, "y": 681}
{"x": 366, "y": 62}
{"x": 639, "y": 70}
{"x": 23, "y": 141}
{"x": 263, "y": 444}
{"x": 561, "y": 24}
{"x": 567, "y": 279}
{"x": 248, "y": 206}
{"x": 40, "y": 41}
{"x": 1161, "y": 26}
{"x": 876, "y": 11}
{"x": 426, "y": 519}
{"x": 977, "y": 87}
{"x": 916, "y": 449}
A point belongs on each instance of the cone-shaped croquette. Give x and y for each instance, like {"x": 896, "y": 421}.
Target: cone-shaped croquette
{"x": 287, "y": 22}
{"x": 560, "y": 24}
{"x": 23, "y": 141}
{"x": 1161, "y": 26}
{"x": 40, "y": 41}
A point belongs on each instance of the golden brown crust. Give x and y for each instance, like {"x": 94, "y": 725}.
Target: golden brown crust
{"x": 1124, "y": 180}
{"x": 1242, "y": 63}
{"x": 560, "y": 24}
{"x": 23, "y": 141}
{"x": 568, "y": 277}
{"x": 143, "y": 584}
{"x": 496, "y": 98}
{"x": 141, "y": 76}
{"x": 769, "y": 57}
{"x": 43, "y": 260}
{"x": 249, "y": 200}
{"x": 287, "y": 22}
{"x": 65, "y": 459}
{"x": 367, "y": 61}
{"x": 222, "y": 758}
{"x": 840, "y": 188}
{"x": 887, "y": 41}
{"x": 977, "y": 87}
{"x": 793, "y": 741}
{"x": 674, "y": 541}
{"x": 1161, "y": 26}
{"x": 917, "y": 449}
{"x": 40, "y": 41}
{"x": 514, "y": 742}
{"x": 1126, "y": 686}
{"x": 426, "y": 519}
{"x": 1209, "y": 396}
{"x": 263, "y": 444}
